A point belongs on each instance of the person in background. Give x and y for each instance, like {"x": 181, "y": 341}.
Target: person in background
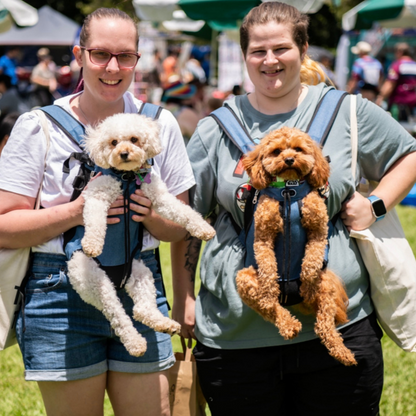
{"x": 6, "y": 127}
{"x": 67, "y": 345}
{"x": 399, "y": 89}
{"x": 366, "y": 74}
{"x": 8, "y": 63}
{"x": 326, "y": 64}
{"x": 245, "y": 367}
{"x": 43, "y": 78}
{"x": 180, "y": 100}
{"x": 10, "y": 100}
{"x": 170, "y": 67}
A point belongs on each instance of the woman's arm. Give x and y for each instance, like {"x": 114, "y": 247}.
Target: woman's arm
{"x": 23, "y": 226}
{"x": 184, "y": 260}
{"x": 392, "y": 188}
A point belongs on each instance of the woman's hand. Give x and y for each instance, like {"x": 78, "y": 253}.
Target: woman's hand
{"x": 356, "y": 213}
{"x": 184, "y": 314}
{"x": 141, "y": 205}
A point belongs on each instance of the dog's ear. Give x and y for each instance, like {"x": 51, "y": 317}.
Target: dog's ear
{"x": 253, "y": 165}
{"x": 152, "y": 145}
{"x": 320, "y": 172}
{"x": 95, "y": 146}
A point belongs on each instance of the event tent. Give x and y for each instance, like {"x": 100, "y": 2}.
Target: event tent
{"x": 52, "y": 29}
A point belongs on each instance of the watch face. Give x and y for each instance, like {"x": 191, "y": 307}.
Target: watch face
{"x": 379, "y": 208}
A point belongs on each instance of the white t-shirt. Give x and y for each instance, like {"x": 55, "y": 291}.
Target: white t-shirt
{"x": 23, "y": 159}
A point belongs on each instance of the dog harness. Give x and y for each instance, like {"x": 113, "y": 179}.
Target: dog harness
{"x": 124, "y": 240}
{"x": 289, "y": 245}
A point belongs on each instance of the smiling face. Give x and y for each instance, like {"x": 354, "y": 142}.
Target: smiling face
{"x": 107, "y": 84}
{"x": 273, "y": 60}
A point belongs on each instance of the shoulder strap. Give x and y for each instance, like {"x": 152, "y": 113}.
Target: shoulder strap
{"x": 150, "y": 110}
{"x": 233, "y": 128}
{"x": 65, "y": 121}
{"x": 324, "y": 115}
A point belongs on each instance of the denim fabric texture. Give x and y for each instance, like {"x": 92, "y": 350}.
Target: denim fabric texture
{"x": 63, "y": 338}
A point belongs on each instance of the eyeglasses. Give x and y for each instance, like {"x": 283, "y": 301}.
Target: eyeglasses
{"x": 102, "y": 57}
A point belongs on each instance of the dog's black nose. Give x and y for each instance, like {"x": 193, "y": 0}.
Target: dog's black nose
{"x": 289, "y": 161}
{"x": 124, "y": 155}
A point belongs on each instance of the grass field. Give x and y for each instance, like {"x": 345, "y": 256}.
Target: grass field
{"x": 20, "y": 398}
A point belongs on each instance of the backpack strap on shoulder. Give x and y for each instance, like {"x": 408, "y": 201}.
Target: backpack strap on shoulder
{"x": 324, "y": 115}
{"x": 65, "y": 121}
{"x": 150, "y": 110}
{"x": 233, "y": 128}
{"x": 75, "y": 131}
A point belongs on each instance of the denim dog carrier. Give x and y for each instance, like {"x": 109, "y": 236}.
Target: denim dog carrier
{"x": 127, "y": 233}
{"x": 288, "y": 193}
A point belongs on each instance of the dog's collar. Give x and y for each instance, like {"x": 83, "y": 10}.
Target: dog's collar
{"x": 278, "y": 182}
{"x": 141, "y": 176}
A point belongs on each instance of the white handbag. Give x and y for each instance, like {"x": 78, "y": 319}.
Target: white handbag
{"x": 13, "y": 268}
{"x": 391, "y": 266}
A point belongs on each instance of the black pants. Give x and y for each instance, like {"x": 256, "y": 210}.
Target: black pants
{"x": 295, "y": 379}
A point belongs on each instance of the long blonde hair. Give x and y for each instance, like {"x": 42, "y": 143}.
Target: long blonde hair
{"x": 311, "y": 72}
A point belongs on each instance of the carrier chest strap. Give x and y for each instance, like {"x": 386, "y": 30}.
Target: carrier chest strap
{"x": 318, "y": 128}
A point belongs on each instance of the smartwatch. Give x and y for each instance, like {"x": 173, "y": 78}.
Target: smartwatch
{"x": 378, "y": 207}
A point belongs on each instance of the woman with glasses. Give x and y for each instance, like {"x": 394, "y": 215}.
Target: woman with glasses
{"x": 67, "y": 345}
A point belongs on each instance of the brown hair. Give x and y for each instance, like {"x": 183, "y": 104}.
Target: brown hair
{"x": 403, "y": 47}
{"x": 103, "y": 13}
{"x": 282, "y": 13}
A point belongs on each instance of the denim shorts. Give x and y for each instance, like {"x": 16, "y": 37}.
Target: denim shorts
{"x": 63, "y": 338}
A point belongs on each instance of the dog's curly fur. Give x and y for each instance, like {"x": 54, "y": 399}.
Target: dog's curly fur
{"x": 126, "y": 142}
{"x": 291, "y": 154}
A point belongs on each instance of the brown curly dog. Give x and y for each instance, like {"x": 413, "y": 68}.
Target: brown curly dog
{"x": 290, "y": 154}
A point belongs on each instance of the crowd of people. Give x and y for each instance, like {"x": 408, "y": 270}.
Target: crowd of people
{"x": 393, "y": 88}
{"x": 245, "y": 366}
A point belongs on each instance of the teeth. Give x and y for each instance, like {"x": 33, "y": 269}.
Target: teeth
{"x": 109, "y": 82}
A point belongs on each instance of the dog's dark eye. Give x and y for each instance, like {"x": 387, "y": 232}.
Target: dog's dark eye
{"x": 298, "y": 149}
{"x": 277, "y": 152}
{"x": 114, "y": 142}
{"x": 134, "y": 139}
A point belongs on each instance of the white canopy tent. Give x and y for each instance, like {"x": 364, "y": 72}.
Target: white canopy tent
{"x": 52, "y": 29}
{"x": 16, "y": 11}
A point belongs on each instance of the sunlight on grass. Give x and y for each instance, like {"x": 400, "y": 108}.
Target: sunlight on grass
{"x": 20, "y": 398}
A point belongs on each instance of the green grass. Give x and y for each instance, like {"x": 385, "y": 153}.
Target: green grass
{"x": 20, "y": 398}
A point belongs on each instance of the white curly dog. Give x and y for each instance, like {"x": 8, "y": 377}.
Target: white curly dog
{"x": 125, "y": 142}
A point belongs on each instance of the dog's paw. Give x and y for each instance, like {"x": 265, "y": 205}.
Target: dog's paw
{"x": 136, "y": 347}
{"x": 205, "y": 232}
{"x": 291, "y": 329}
{"x": 172, "y": 329}
{"x": 166, "y": 326}
{"x": 91, "y": 249}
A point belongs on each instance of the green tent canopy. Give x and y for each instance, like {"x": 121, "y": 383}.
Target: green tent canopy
{"x": 220, "y": 12}
{"x": 388, "y": 13}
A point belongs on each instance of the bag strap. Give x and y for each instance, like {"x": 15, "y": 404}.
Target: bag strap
{"x": 324, "y": 116}
{"x": 187, "y": 349}
{"x": 20, "y": 290}
{"x": 233, "y": 128}
{"x": 65, "y": 121}
{"x": 354, "y": 135}
{"x": 318, "y": 128}
{"x": 150, "y": 110}
{"x": 44, "y": 124}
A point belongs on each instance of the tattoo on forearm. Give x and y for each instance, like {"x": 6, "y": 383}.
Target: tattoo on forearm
{"x": 192, "y": 255}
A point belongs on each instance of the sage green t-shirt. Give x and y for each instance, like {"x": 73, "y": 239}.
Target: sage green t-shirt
{"x": 222, "y": 319}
